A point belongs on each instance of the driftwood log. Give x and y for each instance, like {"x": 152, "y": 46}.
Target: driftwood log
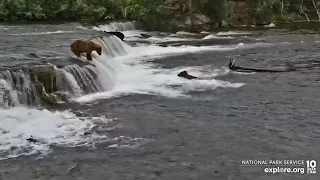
{"x": 232, "y": 66}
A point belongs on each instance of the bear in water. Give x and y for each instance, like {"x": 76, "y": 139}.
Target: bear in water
{"x": 80, "y": 46}
{"x": 120, "y": 35}
{"x": 185, "y": 74}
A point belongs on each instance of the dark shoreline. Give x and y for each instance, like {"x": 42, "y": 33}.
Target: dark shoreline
{"x": 57, "y": 22}
{"x": 206, "y": 136}
{"x": 301, "y": 25}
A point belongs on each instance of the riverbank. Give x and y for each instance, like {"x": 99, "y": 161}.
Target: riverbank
{"x": 311, "y": 25}
{"x": 153, "y": 124}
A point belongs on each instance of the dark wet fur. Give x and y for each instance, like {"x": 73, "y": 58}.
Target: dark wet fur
{"x": 185, "y": 74}
{"x": 32, "y": 140}
{"x": 120, "y": 35}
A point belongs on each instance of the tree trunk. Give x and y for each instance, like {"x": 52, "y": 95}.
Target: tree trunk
{"x": 303, "y": 12}
{"x": 282, "y": 8}
{"x": 190, "y": 14}
{"x": 315, "y": 7}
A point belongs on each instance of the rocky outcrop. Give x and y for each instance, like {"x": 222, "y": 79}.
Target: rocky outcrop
{"x": 51, "y": 84}
{"x": 44, "y": 80}
{"x": 47, "y": 76}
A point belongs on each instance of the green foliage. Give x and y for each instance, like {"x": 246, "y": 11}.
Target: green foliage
{"x": 215, "y": 9}
{"x": 282, "y": 10}
{"x": 157, "y": 14}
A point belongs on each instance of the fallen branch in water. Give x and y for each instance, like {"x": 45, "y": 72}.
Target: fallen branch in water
{"x": 233, "y": 67}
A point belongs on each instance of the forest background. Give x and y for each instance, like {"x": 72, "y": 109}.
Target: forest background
{"x": 163, "y": 14}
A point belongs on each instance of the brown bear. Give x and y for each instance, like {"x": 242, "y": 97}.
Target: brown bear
{"x": 186, "y": 75}
{"x": 80, "y": 46}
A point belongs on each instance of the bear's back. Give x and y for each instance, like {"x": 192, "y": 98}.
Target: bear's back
{"x": 79, "y": 45}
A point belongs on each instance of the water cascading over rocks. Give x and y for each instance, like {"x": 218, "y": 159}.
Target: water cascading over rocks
{"x": 16, "y": 88}
{"x": 47, "y": 83}
{"x": 57, "y": 83}
{"x": 120, "y": 26}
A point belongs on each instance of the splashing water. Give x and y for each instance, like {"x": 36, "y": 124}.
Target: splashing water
{"x": 49, "y": 128}
{"x": 119, "y": 26}
{"x": 120, "y": 70}
{"x": 135, "y": 73}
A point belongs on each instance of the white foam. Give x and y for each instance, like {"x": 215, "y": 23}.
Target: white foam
{"x": 118, "y": 26}
{"x": 133, "y": 70}
{"x": 81, "y": 27}
{"x": 43, "y": 33}
{"x": 148, "y": 52}
{"x": 50, "y": 128}
{"x": 232, "y": 33}
{"x": 133, "y": 33}
{"x": 70, "y": 80}
{"x": 128, "y": 142}
{"x": 211, "y": 36}
{"x": 4, "y": 85}
{"x": 204, "y": 32}
{"x": 166, "y": 39}
{"x": 271, "y": 25}
{"x": 139, "y": 75}
{"x": 186, "y": 33}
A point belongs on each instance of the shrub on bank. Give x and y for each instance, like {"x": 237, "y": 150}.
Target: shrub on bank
{"x": 159, "y": 14}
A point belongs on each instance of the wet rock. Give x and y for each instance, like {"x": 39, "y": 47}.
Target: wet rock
{"x": 32, "y": 140}
{"x": 50, "y": 98}
{"x": 47, "y": 76}
{"x": 87, "y": 133}
{"x": 44, "y": 79}
{"x": 63, "y": 96}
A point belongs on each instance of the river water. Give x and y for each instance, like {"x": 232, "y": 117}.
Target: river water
{"x": 132, "y": 117}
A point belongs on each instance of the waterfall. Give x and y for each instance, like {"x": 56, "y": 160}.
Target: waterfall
{"x": 30, "y": 86}
{"x": 25, "y": 87}
{"x": 16, "y": 89}
{"x": 81, "y": 79}
{"x": 120, "y": 26}
{"x": 113, "y": 46}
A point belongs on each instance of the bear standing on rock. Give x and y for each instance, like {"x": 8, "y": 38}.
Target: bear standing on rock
{"x": 81, "y": 46}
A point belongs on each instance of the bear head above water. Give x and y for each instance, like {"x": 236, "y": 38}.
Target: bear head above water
{"x": 185, "y": 74}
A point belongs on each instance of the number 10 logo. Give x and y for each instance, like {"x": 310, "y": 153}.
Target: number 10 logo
{"x": 311, "y": 166}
